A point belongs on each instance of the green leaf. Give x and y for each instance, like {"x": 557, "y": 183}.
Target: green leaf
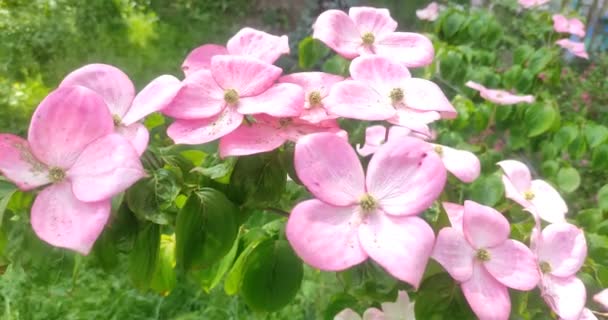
{"x": 150, "y": 198}
{"x": 210, "y": 277}
{"x": 272, "y": 276}
{"x": 258, "y": 178}
{"x": 220, "y": 171}
{"x": 539, "y": 60}
{"x": 565, "y": 136}
{"x": 205, "y": 229}
{"x": 521, "y": 54}
{"x": 595, "y": 134}
{"x": 337, "y": 303}
{"x": 310, "y": 51}
{"x": 164, "y": 278}
{"x": 549, "y": 168}
{"x": 6, "y": 193}
{"x": 539, "y": 118}
{"x": 232, "y": 284}
{"x": 598, "y": 158}
{"x": 452, "y": 24}
{"x": 487, "y": 190}
{"x": 439, "y": 296}
{"x": 602, "y": 198}
{"x": 591, "y": 218}
{"x": 336, "y": 65}
{"x": 568, "y": 179}
{"x": 144, "y": 257}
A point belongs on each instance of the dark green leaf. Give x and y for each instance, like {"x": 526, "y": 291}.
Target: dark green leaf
{"x": 310, "y": 51}
{"x": 164, "y": 278}
{"x": 595, "y": 134}
{"x": 258, "y": 179}
{"x": 439, "y": 296}
{"x": 487, "y": 190}
{"x": 144, "y": 257}
{"x": 602, "y": 198}
{"x": 539, "y": 118}
{"x": 235, "y": 275}
{"x": 336, "y": 65}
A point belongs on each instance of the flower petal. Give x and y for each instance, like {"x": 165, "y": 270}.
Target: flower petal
{"x": 376, "y": 21}
{"x": 374, "y": 138}
{"x": 107, "y": 167}
{"x": 488, "y": 298}
{"x": 330, "y": 169}
{"x": 347, "y": 314}
{"x": 587, "y": 315}
{"x": 18, "y": 164}
{"x": 339, "y": 32}
{"x": 313, "y": 81}
{"x": 280, "y": 100}
{"x": 463, "y": 164}
{"x": 205, "y": 130}
{"x": 402, "y": 308}
{"x": 373, "y": 314}
{"x": 455, "y": 213}
{"x": 64, "y": 221}
{"x": 565, "y": 296}
{"x": 325, "y": 236}
{"x": 454, "y": 253}
{"x": 380, "y": 73}
{"x": 547, "y": 202}
{"x": 405, "y": 177}
{"x": 356, "y": 100}
{"x": 424, "y": 95}
{"x": 200, "y": 58}
{"x": 602, "y": 298}
{"x": 483, "y": 226}
{"x": 517, "y": 173}
{"x": 137, "y": 134}
{"x": 401, "y": 245}
{"x": 199, "y": 97}
{"x": 251, "y": 139}
{"x": 412, "y": 49}
{"x": 155, "y": 96}
{"x": 513, "y": 265}
{"x": 65, "y": 122}
{"x": 247, "y": 75}
{"x": 414, "y": 120}
{"x": 564, "y": 247}
{"x": 258, "y": 44}
{"x": 113, "y": 85}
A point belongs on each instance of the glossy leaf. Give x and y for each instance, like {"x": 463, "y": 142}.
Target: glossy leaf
{"x": 144, "y": 257}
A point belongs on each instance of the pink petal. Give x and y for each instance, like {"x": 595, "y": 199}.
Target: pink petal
{"x": 137, "y": 134}
{"x": 376, "y": 21}
{"x": 475, "y": 86}
{"x": 576, "y": 48}
{"x": 430, "y": 12}
{"x": 454, "y": 253}
{"x": 414, "y": 120}
{"x": 18, "y": 164}
{"x": 325, "y": 236}
{"x": 205, "y": 130}
{"x": 374, "y": 138}
{"x": 455, "y": 213}
{"x": 488, "y": 298}
{"x": 517, "y": 173}
{"x": 373, "y": 314}
{"x": 513, "y": 265}
{"x": 560, "y": 23}
{"x": 505, "y": 97}
{"x": 347, "y": 314}
{"x": 280, "y": 100}
{"x": 587, "y": 315}
{"x": 338, "y": 31}
{"x": 405, "y": 177}
{"x": 258, "y": 44}
{"x": 107, "y": 167}
{"x": 200, "y": 58}
{"x": 401, "y": 245}
{"x": 296, "y": 128}
{"x": 602, "y": 298}
{"x": 463, "y": 164}
{"x": 316, "y": 115}
{"x": 199, "y": 97}
{"x": 577, "y": 27}
{"x": 411, "y": 49}
{"x": 64, "y": 221}
{"x": 313, "y": 81}
{"x": 483, "y": 226}
{"x": 547, "y": 202}
{"x": 251, "y": 139}
{"x": 157, "y": 95}
{"x": 113, "y": 85}
{"x": 396, "y": 132}
{"x": 380, "y": 73}
{"x": 402, "y": 308}
{"x": 65, "y": 122}
{"x": 563, "y": 246}
{"x": 424, "y": 95}
{"x": 330, "y": 169}
{"x": 247, "y": 75}
{"x": 356, "y": 100}
{"x": 565, "y": 296}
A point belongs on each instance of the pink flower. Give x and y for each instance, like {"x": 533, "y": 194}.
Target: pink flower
{"x": 587, "y": 315}
{"x": 499, "y": 96}
{"x": 366, "y": 31}
{"x": 573, "y": 26}
{"x": 402, "y": 309}
{"x": 476, "y": 252}
{"x": 430, "y": 12}
{"x": 575, "y": 48}
{"x": 602, "y": 298}
{"x": 268, "y": 133}
{"x": 356, "y": 216}
{"x": 536, "y": 196}
{"x": 561, "y": 250}
{"x": 247, "y": 42}
{"x": 316, "y": 87}
{"x": 532, "y": 3}
{"x": 381, "y": 89}
{"x": 462, "y": 164}
{"x": 127, "y": 109}
{"x": 212, "y": 103}
{"x": 72, "y": 150}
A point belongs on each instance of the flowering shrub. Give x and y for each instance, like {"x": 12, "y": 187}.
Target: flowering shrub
{"x": 194, "y": 162}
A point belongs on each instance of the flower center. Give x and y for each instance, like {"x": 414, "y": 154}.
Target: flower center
{"x": 482, "y": 255}
{"x": 56, "y": 174}
{"x": 368, "y": 203}
{"x": 117, "y": 120}
{"x": 545, "y": 267}
{"x": 314, "y": 98}
{"x": 368, "y": 38}
{"x": 396, "y": 95}
{"x": 438, "y": 150}
{"x": 231, "y": 96}
{"x": 529, "y": 195}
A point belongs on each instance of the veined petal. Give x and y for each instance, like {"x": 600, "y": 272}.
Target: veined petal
{"x": 380, "y": 73}
{"x": 547, "y": 202}
{"x": 483, "y": 226}
{"x": 374, "y": 138}
{"x": 488, "y": 298}
{"x": 258, "y": 44}
{"x": 424, "y": 95}
{"x": 205, "y": 130}
{"x": 113, "y": 85}
{"x": 157, "y": 95}
{"x": 566, "y": 296}
{"x": 564, "y": 247}
{"x": 405, "y": 177}
{"x": 330, "y": 169}
{"x": 325, "y": 236}
{"x": 200, "y": 58}
{"x": 412, "y": 49}
{"x": 339, "y": 32}
{"x": 463, "y": 164}
{"x": 513, "y": 265}
{"x": 65, "y": 122}
{"x": 356, "y": 100}
{"x": 247, "y": 75}
{"x": 107, "y": 167}
{"x": 251, "y": 139}
{"x": 320, "y": 82}
{"x": 62, "y": 220}
{"x": 198, "y": 97}
{"x": 455, "y": 213}
{"x": 137, "y": 134}
{"x": 374, "y": 20}
{"x": 18, "y": 164}
{"x": 280, "y": 100}
{"x": 517, "y": 173}
{"x": 401, "y": 245}
{"x": 454, "y": 253}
